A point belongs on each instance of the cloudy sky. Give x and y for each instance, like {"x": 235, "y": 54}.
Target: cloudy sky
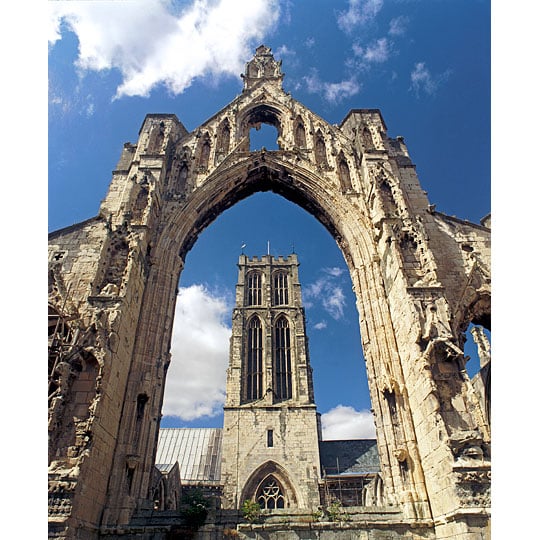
{"x": 424, "y": 63}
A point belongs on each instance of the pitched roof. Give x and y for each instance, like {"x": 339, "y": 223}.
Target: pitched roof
{"x": 349, "y": 457}
{"x": 197, "y": 450}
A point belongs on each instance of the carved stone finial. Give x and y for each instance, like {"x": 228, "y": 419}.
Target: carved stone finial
{"x": 261, "y": 67}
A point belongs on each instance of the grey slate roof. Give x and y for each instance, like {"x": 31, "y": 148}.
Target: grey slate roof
{"x": 197, "y": 450}
{"x": 349, "y": 457}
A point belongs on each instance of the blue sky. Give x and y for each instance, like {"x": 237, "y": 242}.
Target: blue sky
{"x": 424, "y": 63}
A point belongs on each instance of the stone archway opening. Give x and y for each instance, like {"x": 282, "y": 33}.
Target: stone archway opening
{"x": 263, "y": 136}
{"x": 332, "y": 316}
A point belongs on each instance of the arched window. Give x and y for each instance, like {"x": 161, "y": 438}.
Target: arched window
{"x": 282, "y": 360}
{"x": 300, "y": 134}
{"x": 320, "y": 150}
{"x": 204, "y": 155}
{"x": 254, "y": 289}
{"x": 281, "y": 289}
{"x": 270, "y": 494}
{"x": 224, "y": 138}
{"x": 253, "y": 366}
{"x": 344, "y": 173}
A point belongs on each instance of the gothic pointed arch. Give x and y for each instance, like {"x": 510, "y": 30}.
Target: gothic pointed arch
{"x": 258, "y": 114}
{"x": 270, "y": 482}
{"x": 129, "y": 295}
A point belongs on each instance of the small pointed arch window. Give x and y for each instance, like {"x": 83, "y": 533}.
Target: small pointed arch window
{"x": 204, "y": 154}
{"x": 344, "y": 173}
{"x": 253, "y": 361}
{"x": 282, "y": 369}
{"x": 280, "y": 288}
{"x": 270, "y": 494}
{"x": 320, "y": 150}
{"x": 300, "y": 133}
{"x": 224, "y": 137}
{"x": 254, "y": 289}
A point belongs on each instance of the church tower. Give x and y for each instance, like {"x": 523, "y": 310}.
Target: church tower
{"x": 270, "y": 435}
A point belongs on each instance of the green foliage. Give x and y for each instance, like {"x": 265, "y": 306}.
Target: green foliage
{"x": 251, "y": 510}
{"x": 195, "y": 509}
{"x": 336, "y": 512}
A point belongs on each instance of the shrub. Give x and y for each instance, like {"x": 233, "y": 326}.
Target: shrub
{"x": 251, "y": 510}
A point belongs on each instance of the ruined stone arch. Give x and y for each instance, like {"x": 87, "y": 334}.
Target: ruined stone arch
{"x": 267, "y": 470}
{"x": 124, "y": 275}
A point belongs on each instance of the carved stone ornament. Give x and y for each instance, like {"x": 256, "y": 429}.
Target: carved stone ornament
{"x": 401, "y": 454}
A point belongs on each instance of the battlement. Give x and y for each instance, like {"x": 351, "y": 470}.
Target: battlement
{"x": 268, "y": 259}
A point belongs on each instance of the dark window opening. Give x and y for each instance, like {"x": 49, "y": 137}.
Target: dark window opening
{"x": 270, "y": 438}
{"x": 142, "y": 399}
{"x": 254, "y": 289}
{"x": 282, "y": 360}
{"x": 253, "y": 365}
{"x": 281, "y": 289}
{"x": 130, "y": 473}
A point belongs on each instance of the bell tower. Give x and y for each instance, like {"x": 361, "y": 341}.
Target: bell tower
{"x": 271, "y": 435}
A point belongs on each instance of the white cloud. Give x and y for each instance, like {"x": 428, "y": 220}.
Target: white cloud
{"x": 398, "y": 25}
{"x": 331, "y": 92}
{"x": 344, "y": 422}
{"x": 423, "y": 81}
{"x": 334, "y": 271}
{"x": 327, "y": 292}
{"x": 320, "y": 325}
{"x": 360, "y": 12}
{"x": 151, "y": 44}
{"x": 334, "y": 302}
{"x": 377, "y": 51}
{"x": 196, "y": 378}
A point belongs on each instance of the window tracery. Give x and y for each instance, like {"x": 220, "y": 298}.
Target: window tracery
{"x": 270, "y": 494}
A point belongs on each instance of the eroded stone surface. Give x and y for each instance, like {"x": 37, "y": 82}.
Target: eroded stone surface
{"x": 420, "y": 277}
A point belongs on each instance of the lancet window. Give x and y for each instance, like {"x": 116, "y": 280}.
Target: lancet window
{"x": 254, "y": 289}
{"x": 281, "y": 289}
{"x": 320, "y": 150}
{"x": 253, "y": 366}
{"x": 344, "y": 173}
{"x": 300, "y": 134}
{"x": 282, "y": 360}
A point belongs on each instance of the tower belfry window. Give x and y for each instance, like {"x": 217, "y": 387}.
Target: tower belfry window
{"x": 281, "y": 289}
{"x": 254, "y": 289}
{"x": 253, "y": 361}
{"x": 282, "y": 360}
